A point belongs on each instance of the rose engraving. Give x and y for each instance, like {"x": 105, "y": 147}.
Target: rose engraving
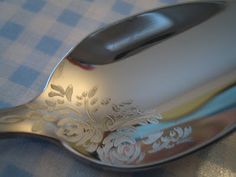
{"x": 120, "y": 147}
{"x": 80, "y": 133}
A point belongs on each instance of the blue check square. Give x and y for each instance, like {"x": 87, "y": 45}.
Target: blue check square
{"x": 33, "y": 6}
{"x": 24, "y": 75}
{"x": 48, "y": 45}
{"x": 69, "y": 18}
{"x": 122, "y": 7}
{"x": 11, "y": 30}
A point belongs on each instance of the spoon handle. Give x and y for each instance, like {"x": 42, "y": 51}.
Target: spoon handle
{"x": 22, "y": 120}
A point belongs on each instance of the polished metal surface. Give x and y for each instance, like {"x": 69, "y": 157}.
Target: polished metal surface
{"x": 131, "y": 35}
{"x": 155, "y": 106}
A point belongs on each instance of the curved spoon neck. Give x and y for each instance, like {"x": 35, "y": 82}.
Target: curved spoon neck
{"x": 24, "y": 119}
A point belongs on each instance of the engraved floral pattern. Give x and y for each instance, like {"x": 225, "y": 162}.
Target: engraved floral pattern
{"x": 80, "y": 120}
{"x": 80, "y": 133}
{"x": 120, "y": 148}
{"x": 167, "y": 140}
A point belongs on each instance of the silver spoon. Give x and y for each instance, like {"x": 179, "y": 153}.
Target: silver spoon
{"x": 152, "y": 107}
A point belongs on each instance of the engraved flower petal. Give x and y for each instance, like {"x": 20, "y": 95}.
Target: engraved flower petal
{"x": 120, "y": 148}
{"x": 171, "y": 139}
{"x": 80, "y": 133}
{"x": 71, "y": 130}
{"x": 187, "y": 131}
{"x": 97, "y": 136}
{"x": 179, "y": 131}
{"x": 91, "y": 147}
{"x": 153, "y": 137}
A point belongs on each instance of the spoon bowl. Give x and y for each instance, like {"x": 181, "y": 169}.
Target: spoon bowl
{"x": 152, "y": 107}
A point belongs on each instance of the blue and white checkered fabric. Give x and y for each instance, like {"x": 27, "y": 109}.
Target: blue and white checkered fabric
{"x": 34, "y": 36}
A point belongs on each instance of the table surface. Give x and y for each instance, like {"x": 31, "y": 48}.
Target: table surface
{"x": 34, "y": 36}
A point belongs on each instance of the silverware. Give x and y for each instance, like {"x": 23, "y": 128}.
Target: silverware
{"x": 131, "y": 35}
{"x": 152, "y": 107}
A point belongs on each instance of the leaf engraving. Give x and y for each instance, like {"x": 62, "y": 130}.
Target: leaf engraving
{"x": 105, "y": 101}
{"x": 128, "y": 102}
{"x": 69, "y": 92}
{"x": 115, "y": 108}
{"x": 52, "y": 94}
{"x": 58, "y": 88}
{"x": 92, "y": 92}
{"x": 9, "y": 119}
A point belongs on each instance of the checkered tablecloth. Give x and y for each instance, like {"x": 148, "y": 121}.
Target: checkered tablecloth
{"x": 34, "y": 36}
